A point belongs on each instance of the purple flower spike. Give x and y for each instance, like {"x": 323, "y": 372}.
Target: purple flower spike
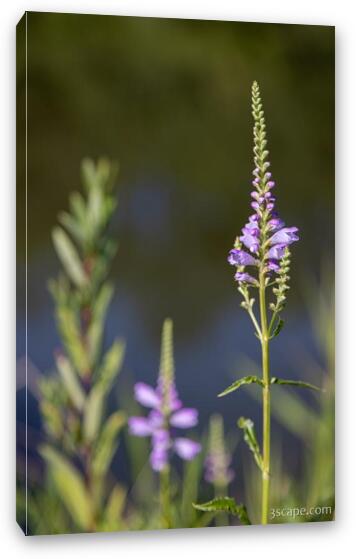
{"x": 184, "y": 418}
{"x": 167, "y": 413}
{"x": 186, "y": 448}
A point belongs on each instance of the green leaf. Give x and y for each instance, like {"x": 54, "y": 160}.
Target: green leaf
{"x": 72, "y": 340}
{"x": 277, "y": 329}
{"x": 225, "y": 504}
{"x": 111, "y": 366}
{"x": 52, "y": 418}
{"x": 70, "y": 381}
{"x": 78, "y": 207}
{"x": 299, "y": 383}
{"x": 115, "y": 506}
{"x": 70, "y": 487}
{"x": 68, "y": 255}
{"x": 107, "y": 443}
{"x": 250, "y": 438}
{"x": 95, "y": 331}
{"x": 93, "y": 410}
{"x": 72, "y": 226}
{"x": 235, "y": 385}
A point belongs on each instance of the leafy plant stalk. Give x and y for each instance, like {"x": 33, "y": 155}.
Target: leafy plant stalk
{"x": 81, "y": 440}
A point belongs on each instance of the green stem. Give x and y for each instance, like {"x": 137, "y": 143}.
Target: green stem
{"x": 165, "y": 498}
{"x": 266, "y": 403}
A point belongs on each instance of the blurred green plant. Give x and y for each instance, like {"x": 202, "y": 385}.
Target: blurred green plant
{"x": 81, "y": 440}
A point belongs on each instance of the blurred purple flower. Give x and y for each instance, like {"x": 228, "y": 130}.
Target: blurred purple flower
{"x": 167, "y": 413}
{"x": 217, "y": 468}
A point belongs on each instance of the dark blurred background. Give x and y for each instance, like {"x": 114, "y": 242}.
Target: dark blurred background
{"x": 170, "y": 100}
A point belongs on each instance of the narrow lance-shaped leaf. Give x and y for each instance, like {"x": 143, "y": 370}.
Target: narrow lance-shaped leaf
{"x": 71, "y": 337}
{"x": 278, "y": 328}
{"x": 298, "y": 383}
{"x": 70, "y": 381}
{"x": 114, "y": 508}
{"x": 69, "y": 257}
{"x": 70, "y": 487}
{"x": 250, "y": 438}
{"x": 245, "y": 380}
{"x": 107, "y": 443}
{"x": 225, "y": 504}
{"x": 96, "y": 327}
{"x": 93, "y": 410}
{"x": 111, "y": 366}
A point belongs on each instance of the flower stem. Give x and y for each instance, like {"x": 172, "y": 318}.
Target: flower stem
{"x": 266, "y": 402}
{"x": 165, "y": 498}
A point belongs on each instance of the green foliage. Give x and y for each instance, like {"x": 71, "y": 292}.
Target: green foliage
{"x": 107, "y": 443}
{"x": 69, "y": 257}
{"x": 251, "y": 440}
{"x": 70, "y": 487}
{"x": 298, "y": 383}
{"x": 225, "y": 504}
{"x": 277, "y": 329}
{"x": 73, "y": 402}
{"x": 71, "y": 382}
{"x": 245, "y": 380}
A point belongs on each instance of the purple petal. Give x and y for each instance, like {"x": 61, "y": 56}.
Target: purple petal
{"x": 273, "y": 265}
{"x": 174, "y": 402}
{"x": 245, "y": 277}
{"x": 250, "y": 242}
{"x": 239, "y": 257}
{"x": 146, "y": 395}
{"x": 286, "y": 236}
{"x": 276, "y": 252}
{"x": 158, "y": 459}
{"x": 275, "y": 224}
{"x": 184, "y": 418}
{"x": 155, "y": 418}
{"x": 140, "y": 426}
{"x": 161, "y": 439}
{"x": 186, "y": 448}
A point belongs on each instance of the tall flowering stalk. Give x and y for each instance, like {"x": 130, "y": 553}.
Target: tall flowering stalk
{"x": 166, "y": 416}
{"x": 261, "y": 256}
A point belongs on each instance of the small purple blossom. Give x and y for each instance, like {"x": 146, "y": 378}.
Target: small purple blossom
{"x": 161, "y": 421}
{"x": 276, "y": 252}
{"x": 284, "y": 236}
{"x": 239, "y": 257}
{"x": 245, "y": 278}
